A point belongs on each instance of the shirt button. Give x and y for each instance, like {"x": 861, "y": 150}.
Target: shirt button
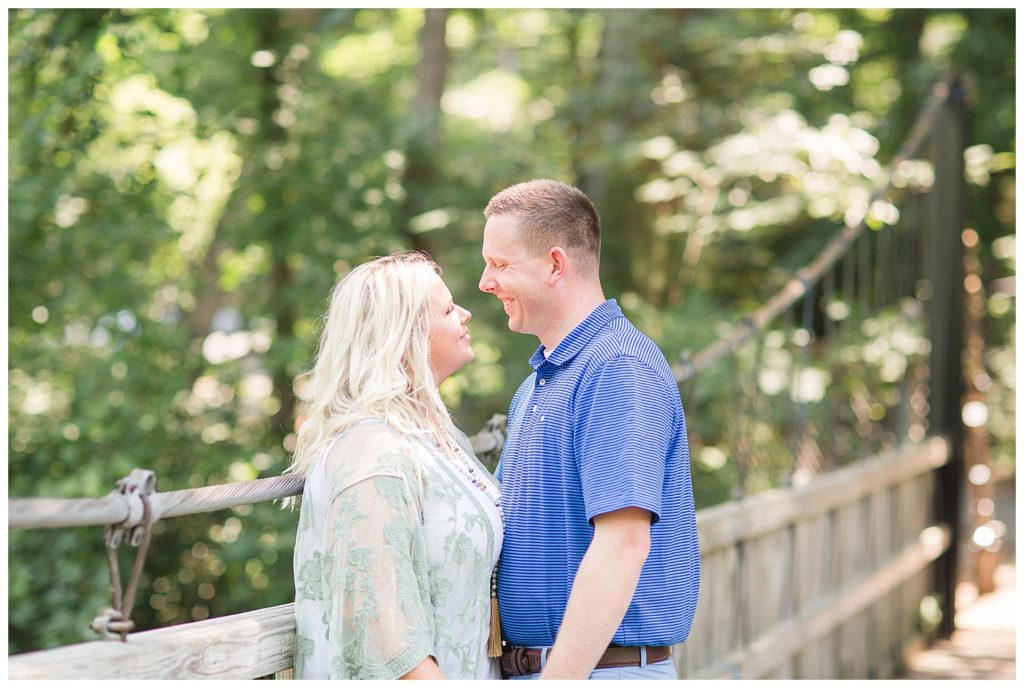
{"x": 542, "y": 418}
{"x": 535, "y": 408}
{"x": 542, "y": 382}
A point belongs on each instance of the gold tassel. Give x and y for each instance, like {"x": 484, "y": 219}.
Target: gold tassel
{"x": 494, "y": 640}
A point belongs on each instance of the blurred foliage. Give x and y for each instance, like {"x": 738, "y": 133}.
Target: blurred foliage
{"x": 186, "y": 185}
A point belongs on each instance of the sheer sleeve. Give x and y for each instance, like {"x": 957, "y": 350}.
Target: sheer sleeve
{"x": 377, "y": 603}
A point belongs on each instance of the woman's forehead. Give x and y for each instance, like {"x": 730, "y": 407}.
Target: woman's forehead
{"x": 438, "y": 289}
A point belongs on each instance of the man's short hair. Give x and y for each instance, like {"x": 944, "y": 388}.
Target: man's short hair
{"x": 551, "y": 213}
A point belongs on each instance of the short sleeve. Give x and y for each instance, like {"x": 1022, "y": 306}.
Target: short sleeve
{"x": 376, "y": 587}
{"x": 625, "y": 421}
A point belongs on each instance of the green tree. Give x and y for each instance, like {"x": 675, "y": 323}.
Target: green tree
{"x": 185, "y": 187}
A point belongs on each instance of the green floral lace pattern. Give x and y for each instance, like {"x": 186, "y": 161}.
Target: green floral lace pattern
{"x": 393, "y": 558}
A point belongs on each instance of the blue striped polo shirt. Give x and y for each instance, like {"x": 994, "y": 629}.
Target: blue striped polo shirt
{"x": 597, "y": 427}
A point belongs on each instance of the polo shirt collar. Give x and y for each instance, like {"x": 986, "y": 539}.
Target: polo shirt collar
{"x": 574, "y": 342}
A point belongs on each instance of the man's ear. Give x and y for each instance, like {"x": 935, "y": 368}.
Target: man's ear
{"x": 558, "y": 260}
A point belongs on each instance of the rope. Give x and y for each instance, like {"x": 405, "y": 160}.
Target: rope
{"x": 36, "y": 512}
{"x": 825, "y": 259}
{"x": 202, "y": 499}
{"x": 116, "y": 509}
{"x": 46, "y": 512}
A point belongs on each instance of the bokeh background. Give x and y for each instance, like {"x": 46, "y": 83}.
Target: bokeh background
{"x": 185, "y": 187}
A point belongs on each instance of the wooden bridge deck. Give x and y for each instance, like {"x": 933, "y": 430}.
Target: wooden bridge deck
{"x": 984, "y": 644}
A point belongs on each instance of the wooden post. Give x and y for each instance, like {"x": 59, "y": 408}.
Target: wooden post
{"x": 942, "y": 268}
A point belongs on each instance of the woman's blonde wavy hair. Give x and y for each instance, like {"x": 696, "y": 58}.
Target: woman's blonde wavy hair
{"x": 374, "y": 357}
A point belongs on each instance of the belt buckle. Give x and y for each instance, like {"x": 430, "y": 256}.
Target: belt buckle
{"x": 520, "y": 661}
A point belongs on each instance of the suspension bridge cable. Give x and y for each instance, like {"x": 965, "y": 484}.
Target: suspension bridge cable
{"x": 43, "y": 512}
{"x": 690, "y": 365}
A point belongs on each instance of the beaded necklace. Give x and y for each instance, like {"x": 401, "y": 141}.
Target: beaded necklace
{"x": 466, "y": 466}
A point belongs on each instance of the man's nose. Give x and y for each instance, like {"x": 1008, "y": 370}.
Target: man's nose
{"x": 486, "y": 283}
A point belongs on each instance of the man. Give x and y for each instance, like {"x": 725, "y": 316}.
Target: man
{"x": 600, "y": 567}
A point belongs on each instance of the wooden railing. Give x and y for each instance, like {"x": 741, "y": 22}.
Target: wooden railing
{"x": 249, "y": 645}
{"x": 819, "y": 581}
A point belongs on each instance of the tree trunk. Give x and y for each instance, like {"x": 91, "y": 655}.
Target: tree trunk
{"x": 431, "y": 71}
{"x": 425, "y": 139}
{"x": 598, "y": 127}
{"x": 208, "y": 295}
{"x": 281, "y": 275}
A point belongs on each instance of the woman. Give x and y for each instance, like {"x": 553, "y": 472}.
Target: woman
{"x": 400, "y": 526}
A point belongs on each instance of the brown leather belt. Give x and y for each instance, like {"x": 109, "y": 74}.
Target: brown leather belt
{"x": 523, "y": 661}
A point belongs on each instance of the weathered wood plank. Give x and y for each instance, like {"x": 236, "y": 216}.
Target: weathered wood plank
{"x": 788, "y": 567}
{"x": 843, "y": 544}
{"x": 242, "y": 646}
{"x": 863, "y": 537}
{"x": 812, "y": 562}
{"x": 853, "y": 635}
{"x": 880, "y": 527}
{"x": 767, "y": 571}
{"x": 883, "y": 658}
{"x": 696, "y": 651}
{"x": 725, "y": 593}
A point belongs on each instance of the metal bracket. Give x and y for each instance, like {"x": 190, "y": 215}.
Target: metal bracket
{"x": 488, "y": 442}
{"x": 134, "y": 486}
{"x": 137, "y": 531}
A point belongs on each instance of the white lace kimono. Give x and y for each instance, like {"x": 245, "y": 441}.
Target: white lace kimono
{"x": 393, "y": 560}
